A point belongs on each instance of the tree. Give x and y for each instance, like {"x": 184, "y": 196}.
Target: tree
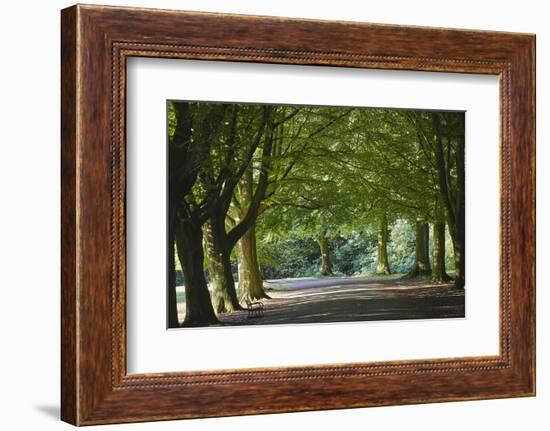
{"x": 306, "y": 206}
{"x": 294, "y": 130}
{"x": 326, "y": 261}
{"x": 247, "y": 194}
{"x": 441, "y": 139}
{"x": 251, "y": 128}
{"x": 439, "y": 274}
{"x": 186, "y": 153}
{"x": 421, "y": 266}
{"x": 379, "y": 162}
{"x": 383, "y": 265}
{"x": 198, "y": 309}
{"x": 250, "y": 279}
{"x": 398, "y": 175}
{"x": 315, "y": 172}
{"x": 206, "y": 162}
{"x": 449, "y": 127}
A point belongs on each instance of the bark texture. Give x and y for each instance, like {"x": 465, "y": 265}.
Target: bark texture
{"x": 453, "y": 196}
{"x": 185, "y": 221}
{"x": 198, "y": 306}
{"x": 218, "y": 242}
{"x": 173, "y": 321}
{"x": 250, "y": 279}
{"x": 218, "y": 253}
{"x": 383, "y": 264}
{"x": 421, "y": 267}
{"x": 439, "y": 274}
{"x": 326, "y": 262}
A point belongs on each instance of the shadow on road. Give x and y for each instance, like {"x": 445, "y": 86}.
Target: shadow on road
{"x": 326, "y": 300}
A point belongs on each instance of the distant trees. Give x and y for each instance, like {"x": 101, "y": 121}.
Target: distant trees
{"x": 312, "y": 172}
{"x": 415, "y": 161}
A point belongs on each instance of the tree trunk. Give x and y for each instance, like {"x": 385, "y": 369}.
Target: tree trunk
{"x": 383, "y": 265}
{"x": 454, "y": 199}
{"x": 198, "y": 307}
{"x": 250, "y": 280}
{"x": 426, "y": 259}
{"x": 218, "y": 242}
{"x": 460, "y": 240}
{"x": 439, "y": 275}
{"x": 422, "y": 262}
{"x": 459, "y": 264}
{"x": 173, "y": 321}
{"x": 218, "y": 256}
{"x": 326, "y": 263}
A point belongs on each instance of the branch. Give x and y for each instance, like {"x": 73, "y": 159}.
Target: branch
{"x": 240, "y": 229}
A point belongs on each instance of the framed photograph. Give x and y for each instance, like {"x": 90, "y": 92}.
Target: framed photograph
{"x": 266, "y": 215}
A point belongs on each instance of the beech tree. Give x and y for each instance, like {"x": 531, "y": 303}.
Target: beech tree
{"x": 188, "y": 149}
{"x": 206, "y": 162}
{"x": 219, "y": 242}
{"x": 258, "y": 179}
{"x": 422, "y": 167}
{"x": 397, "y": 176}
{"x": 309, "y": 201}
{"x": 449, "y": 151}
{"x": 383, "y": 264}
{"x": 439, "y": 273}
{"x": 294, "y": 129}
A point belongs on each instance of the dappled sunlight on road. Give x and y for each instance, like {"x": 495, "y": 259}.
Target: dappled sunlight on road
{"x": 354, "y": 299}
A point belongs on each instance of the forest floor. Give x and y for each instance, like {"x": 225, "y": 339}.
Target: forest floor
{"x": 346, "y": 299}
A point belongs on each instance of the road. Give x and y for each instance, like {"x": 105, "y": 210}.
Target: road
{"x": 347, "y": 299}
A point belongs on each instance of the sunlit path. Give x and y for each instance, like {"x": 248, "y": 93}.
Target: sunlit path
{"x": 353, "y": 299}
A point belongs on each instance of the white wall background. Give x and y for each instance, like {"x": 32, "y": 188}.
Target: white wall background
{"x": 29, "y": 214}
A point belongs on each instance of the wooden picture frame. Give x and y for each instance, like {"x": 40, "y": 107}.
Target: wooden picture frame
{"x": 95, "y": 43}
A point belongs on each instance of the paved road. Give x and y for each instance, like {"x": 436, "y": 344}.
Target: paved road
{"x": 333, "y": 299}
{"x": 313, "y": 282}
